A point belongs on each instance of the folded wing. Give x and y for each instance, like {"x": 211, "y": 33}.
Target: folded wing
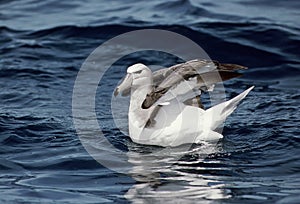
{"x": 184, "y": 82}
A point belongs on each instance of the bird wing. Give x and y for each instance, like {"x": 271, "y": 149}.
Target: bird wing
{"x": 186, "y": 80}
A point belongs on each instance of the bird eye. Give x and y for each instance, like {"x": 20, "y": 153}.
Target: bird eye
{"x": 138, "y": 72}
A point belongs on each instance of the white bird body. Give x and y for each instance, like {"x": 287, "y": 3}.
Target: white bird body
{"x": 169, "y": 121}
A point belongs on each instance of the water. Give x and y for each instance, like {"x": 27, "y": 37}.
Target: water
{"x": 44, "y": 43}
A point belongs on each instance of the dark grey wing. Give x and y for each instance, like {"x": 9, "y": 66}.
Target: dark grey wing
{"x": 160, "y": 75}
{"x": 167, "y": 78}
{"x": 204, "y": 72}
{"x": 172, "y": 75}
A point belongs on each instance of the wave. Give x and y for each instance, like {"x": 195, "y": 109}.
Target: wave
{"x": 261, "y": 47}
{"x": 41, "y": 52}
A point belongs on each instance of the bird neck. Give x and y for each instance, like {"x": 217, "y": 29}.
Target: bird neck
{"x": 138, "y": 116}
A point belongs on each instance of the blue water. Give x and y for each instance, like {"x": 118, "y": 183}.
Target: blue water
{"x": 43, "y": 45}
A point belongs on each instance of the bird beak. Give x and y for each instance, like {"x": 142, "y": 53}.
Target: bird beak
{"x": 125, "y": 86}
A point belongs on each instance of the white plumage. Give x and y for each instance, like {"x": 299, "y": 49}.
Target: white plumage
{"x": 159, "y": 111}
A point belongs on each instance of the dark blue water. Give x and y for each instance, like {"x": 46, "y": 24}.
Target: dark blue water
{"x": 42, "y": 47}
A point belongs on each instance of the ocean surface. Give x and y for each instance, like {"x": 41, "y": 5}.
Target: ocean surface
{"x": 42, "y": 47}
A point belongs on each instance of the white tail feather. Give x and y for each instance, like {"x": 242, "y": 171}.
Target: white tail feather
{"x": 223, "y": 110}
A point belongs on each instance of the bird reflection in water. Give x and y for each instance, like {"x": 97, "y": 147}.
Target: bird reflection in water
{"x": 174, "y": 174}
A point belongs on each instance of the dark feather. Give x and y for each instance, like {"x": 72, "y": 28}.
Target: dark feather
{"x": 207, "y": 73}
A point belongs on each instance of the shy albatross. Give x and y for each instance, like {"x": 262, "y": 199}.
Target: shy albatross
{"x": 165, "y": 106}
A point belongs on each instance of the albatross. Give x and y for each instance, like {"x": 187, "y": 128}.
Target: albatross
{"x": 165, "y": 106}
